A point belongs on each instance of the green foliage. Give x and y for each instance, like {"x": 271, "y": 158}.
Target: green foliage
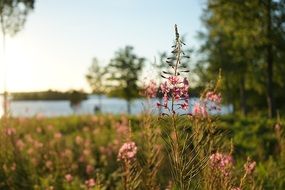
{"x": 124, "y": 70}
{"x": 95, "y": 77}
{"x": 13, "y": 15}
{"x": 237, "y": 41}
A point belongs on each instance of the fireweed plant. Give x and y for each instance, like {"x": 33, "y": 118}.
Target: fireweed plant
{"x": 130, "y": 168}
{"x": 192, "y": 139}
{"x": 184, "y": 155}
{"x": 131, "y": 172}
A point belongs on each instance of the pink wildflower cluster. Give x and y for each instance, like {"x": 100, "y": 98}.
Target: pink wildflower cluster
{"x": 175, "y": 87}
{"x": 127, "y": 152}
{"x": 221, "y": 162}
{"x": 150, "y": 89}
{"x": 214, "y": 97}
{"x": 214, "y": 100}
{"x": 10, "y": 131}
{"x": 249, "y": 167}
{"x": 211, "y": 101}
{"x": 199, "y": 109}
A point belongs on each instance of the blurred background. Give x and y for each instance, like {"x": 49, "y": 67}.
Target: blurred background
{"x": 85, "y": 57}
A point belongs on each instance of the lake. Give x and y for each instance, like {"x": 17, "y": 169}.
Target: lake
{"x": 62, "y": 107}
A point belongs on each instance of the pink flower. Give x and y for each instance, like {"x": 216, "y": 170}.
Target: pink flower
{"x": 214, "y": 100}
{"x": 199, "y": 110}
{"x": 177, "y": 93}
{"x": 176, "y": 89}
{"x": 249, "y": 167}
{"x": 127, "y": 152}
{"x": 184, "y": 106}
{"x": 68, "y": 178}
{"x": 90, "y": 183}
{"x": 221, "y": 162}
{"x": 214, "y": 97}
{"x": 164, "y": 88}
{"x": 10, "y": 131}
{"x": 151, "y": 89}
{"x": 174, "y": 80}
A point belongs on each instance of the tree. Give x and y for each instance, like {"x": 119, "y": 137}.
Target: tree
{"x": 95, "y": 77}
{"x": 124, "y": 69}
{"x": 240, "y": 39}
{"x": 13, "y": 15}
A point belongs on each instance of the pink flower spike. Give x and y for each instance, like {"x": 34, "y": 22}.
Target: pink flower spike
{"x": 214, "y": 97}
{"x": 127, "y": 152}
{"x": 221, "y": 162}
{"x": 151, "y": 89}
{"x": 164, "y": 88}
{"x": 199, "y": 110}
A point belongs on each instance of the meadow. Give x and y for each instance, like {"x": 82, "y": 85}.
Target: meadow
{"x": 81, "y": 152}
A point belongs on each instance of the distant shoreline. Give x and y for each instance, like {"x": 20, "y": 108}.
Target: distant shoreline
{"x": 49, "y": 95}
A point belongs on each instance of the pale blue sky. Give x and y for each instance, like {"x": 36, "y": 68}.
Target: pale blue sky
{"x": 61, "y": 37}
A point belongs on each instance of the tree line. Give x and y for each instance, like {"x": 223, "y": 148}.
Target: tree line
{"x": 246, "y": 39}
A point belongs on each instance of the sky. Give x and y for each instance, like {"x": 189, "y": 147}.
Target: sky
{"x": 60, "y": 38}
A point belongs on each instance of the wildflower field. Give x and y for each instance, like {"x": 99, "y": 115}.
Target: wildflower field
{"x": 89, "y": 153}
{"x": 176, "y": 149}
